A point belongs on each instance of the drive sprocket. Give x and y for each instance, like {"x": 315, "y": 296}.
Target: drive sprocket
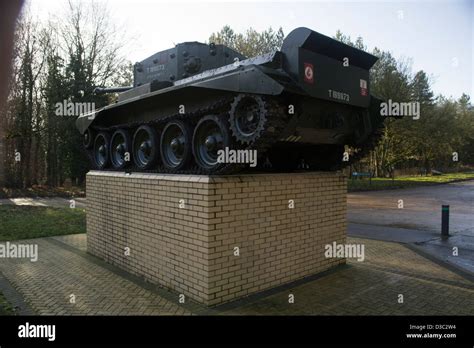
{"x": 247, "y": 117}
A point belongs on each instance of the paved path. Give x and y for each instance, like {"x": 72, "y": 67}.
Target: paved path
{"x": 368, "y": 287}
{"x": 63, "y": 270}
{"x": 56, "y": 202}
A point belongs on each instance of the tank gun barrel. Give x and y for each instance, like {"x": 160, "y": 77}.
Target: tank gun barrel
{"x": 103, "y": 90}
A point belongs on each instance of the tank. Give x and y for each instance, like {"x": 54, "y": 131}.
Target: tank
{"x": 206, "y": 109}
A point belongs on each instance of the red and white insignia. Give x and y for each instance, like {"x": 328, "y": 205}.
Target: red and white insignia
{"x": 363, "y": 88}
{"x": 308, "y": 73}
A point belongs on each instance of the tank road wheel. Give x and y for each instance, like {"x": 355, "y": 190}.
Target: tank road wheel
{"x": 120, "y": 149}
{"x": 175, "y": 145}
{"x": 101, "y": 150}
{"x": 247, "y": 117}
{"x": 145, "y": 147}
{"x": 210, "y": 136}
{"x": 88, "y": 138}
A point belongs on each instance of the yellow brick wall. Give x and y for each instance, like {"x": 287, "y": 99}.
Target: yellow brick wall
{"x": 191, "y": 249}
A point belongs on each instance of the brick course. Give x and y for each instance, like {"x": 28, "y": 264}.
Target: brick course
{"x": 190, "y": 249}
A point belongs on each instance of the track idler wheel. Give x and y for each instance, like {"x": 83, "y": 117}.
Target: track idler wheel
{"x": 176, "y": 145}
{"x": 247, "y": 117}
{"x": 120, "y": 149}
{"x": 145, "y": 147}
{"x": 210, "y": 135}
{"x": 101, "y": 151}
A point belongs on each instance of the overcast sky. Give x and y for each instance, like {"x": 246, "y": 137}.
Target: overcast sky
{"x": 436, "y": 35}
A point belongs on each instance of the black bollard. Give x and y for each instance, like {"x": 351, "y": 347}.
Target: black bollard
{"x": 445, "y": 221}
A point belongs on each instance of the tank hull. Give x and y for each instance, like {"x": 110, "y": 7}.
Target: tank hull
{"x": 297, "y": 109}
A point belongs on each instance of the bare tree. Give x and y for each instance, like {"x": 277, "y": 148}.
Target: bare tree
{"x": 88, "y": 29}
{"x": 62, "y": 59}
{"x": 24, "y": 116}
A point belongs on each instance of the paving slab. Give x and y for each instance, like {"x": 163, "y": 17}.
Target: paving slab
{"x": 456, "y": 250}
{"x": 369, "y": 287}
{"x": 63, "y": 273}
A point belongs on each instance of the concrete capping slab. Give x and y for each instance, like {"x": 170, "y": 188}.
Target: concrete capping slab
{"x": 208, "y": 179}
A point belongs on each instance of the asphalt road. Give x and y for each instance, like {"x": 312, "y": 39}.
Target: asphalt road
{"x": 376, "y": 215}
{"x": 421, "y": 207}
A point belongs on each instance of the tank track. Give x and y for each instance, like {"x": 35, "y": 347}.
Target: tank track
{"x": 276, "y": 119}
{"x": 329, "y": 157}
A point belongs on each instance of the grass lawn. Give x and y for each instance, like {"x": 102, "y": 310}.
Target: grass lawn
{"x": 24, "y": 222}
{"x": 404, "y": 181}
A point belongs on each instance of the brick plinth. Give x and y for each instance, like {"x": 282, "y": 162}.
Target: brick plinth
{"x": 216, "y": 239}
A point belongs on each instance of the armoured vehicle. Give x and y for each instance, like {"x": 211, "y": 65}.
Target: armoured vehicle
{"x": 298, "y": 108}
